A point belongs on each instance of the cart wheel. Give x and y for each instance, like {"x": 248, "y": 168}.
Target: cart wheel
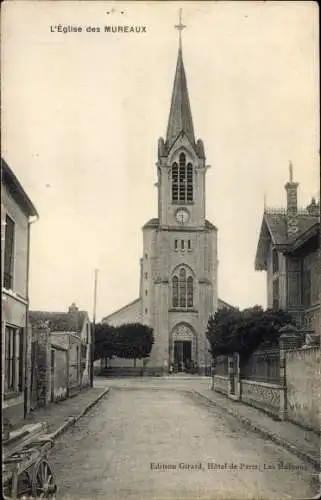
{"x": 43, "y": 480}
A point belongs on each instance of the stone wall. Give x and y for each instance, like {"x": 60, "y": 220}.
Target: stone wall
{"x": 221, "y": 383}
{"x": 262, "y": 395}
{"x": 42, "y": 371}
{"x": 303, "y": 387}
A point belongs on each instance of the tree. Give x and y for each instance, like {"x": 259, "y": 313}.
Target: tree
{"x": 134, "y": 341}
{"x": 244, "y": 331}
{"x": 105, "y": 341}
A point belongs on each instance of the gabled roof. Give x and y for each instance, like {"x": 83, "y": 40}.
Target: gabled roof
{"x": 16, "y": 190}
{"x": 274, "y": 229}
{"x": 276, "y": 222}
{"x": 180, "y": 116}
{"x": 60, "y": 321}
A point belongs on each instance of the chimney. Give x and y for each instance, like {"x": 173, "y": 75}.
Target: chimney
{"x": 73, "y": 308}
{"x": 292, "y": 205}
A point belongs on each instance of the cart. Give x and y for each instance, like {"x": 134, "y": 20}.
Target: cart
{"x": 27, "y": 473}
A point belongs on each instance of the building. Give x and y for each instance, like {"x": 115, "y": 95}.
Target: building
{"x": 61, "y": 350}
{"x": 178, "y": 270}
{"x": 17, "y": 214}
{"x": 289, "y": 251}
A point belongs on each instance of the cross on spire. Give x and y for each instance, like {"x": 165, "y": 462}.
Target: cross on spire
{"x": 180, "y": 26}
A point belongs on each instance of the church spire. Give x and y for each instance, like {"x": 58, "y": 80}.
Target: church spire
{"x": 180, "y": 116}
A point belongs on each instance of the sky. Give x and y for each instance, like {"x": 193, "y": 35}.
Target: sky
{"x": 82, "y": 113}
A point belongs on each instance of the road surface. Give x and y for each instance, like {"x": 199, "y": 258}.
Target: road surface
{"x": 152, "y": 442}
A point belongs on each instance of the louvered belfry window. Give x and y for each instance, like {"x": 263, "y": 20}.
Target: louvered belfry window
{"x": 182, "y": 181}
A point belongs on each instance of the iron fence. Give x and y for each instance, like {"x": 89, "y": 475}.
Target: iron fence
{"x": 262, "y": 366}
{"x": 221, "y": 365}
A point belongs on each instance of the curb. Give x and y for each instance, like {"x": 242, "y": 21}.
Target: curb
{"x": 267, "y": 434}
{"x": 72, "y": 420}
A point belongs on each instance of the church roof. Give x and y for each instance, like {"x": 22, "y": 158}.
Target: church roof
{"x": 222, "y": 304}
{"x": 180, "y": 116}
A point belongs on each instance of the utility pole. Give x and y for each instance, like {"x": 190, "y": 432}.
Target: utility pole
{"x": 93, "y": 331}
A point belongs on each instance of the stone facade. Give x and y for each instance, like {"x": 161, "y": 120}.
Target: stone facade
{"x": 16, "y": 216}
{"x": 178, "y": 269}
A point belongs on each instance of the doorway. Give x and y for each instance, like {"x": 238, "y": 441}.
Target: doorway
{"x": 182, "y": 354}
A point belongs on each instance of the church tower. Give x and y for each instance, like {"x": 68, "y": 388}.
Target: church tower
{"x": 179, "y": 265}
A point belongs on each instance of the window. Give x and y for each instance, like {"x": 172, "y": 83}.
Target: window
{"x": 8, "y": 253}
{"x": 190, "y": 291}
{"x": 189, "y": 246}
{"x": 175, "y": 291}
{"x": 276, "y": 304}
{"x": 146, "y": 311}
{"x": 146, "y": 276}
{"x": 146, "y": 256}
{"x": 182, "y": 180}
{"x": 176, "y": 244}
{"x": 182, "y": 244}
{"x": 275, "y": 261}
{"x": 13, "y": 359}
{"x": 146, "y": 293}
{"x": 182, "y": 289}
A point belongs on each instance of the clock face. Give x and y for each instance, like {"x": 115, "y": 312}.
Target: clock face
{"x": 182, "y": 216}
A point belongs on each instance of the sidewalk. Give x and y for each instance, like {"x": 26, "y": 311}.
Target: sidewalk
{"x": 303, "y": 443}
{"x": 59, "y": 416}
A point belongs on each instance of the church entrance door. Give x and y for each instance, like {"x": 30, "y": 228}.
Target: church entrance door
{"x": 182, "y": 354}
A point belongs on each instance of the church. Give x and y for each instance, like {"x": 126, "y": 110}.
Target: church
{"x": 178, "y": 270}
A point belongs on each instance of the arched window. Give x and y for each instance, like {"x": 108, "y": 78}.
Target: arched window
{"x": 182, "y": 289}
{"x": 175, "y": 291}
{"x": 190, "y": 291}
{"x": 182, "y": 181}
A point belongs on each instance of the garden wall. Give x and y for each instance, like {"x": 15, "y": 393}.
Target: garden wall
{"x": 304, "y": 387}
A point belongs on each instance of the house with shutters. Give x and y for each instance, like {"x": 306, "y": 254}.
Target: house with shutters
{"x": 289, "y": 251}
{"x": 17, "y": 215}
